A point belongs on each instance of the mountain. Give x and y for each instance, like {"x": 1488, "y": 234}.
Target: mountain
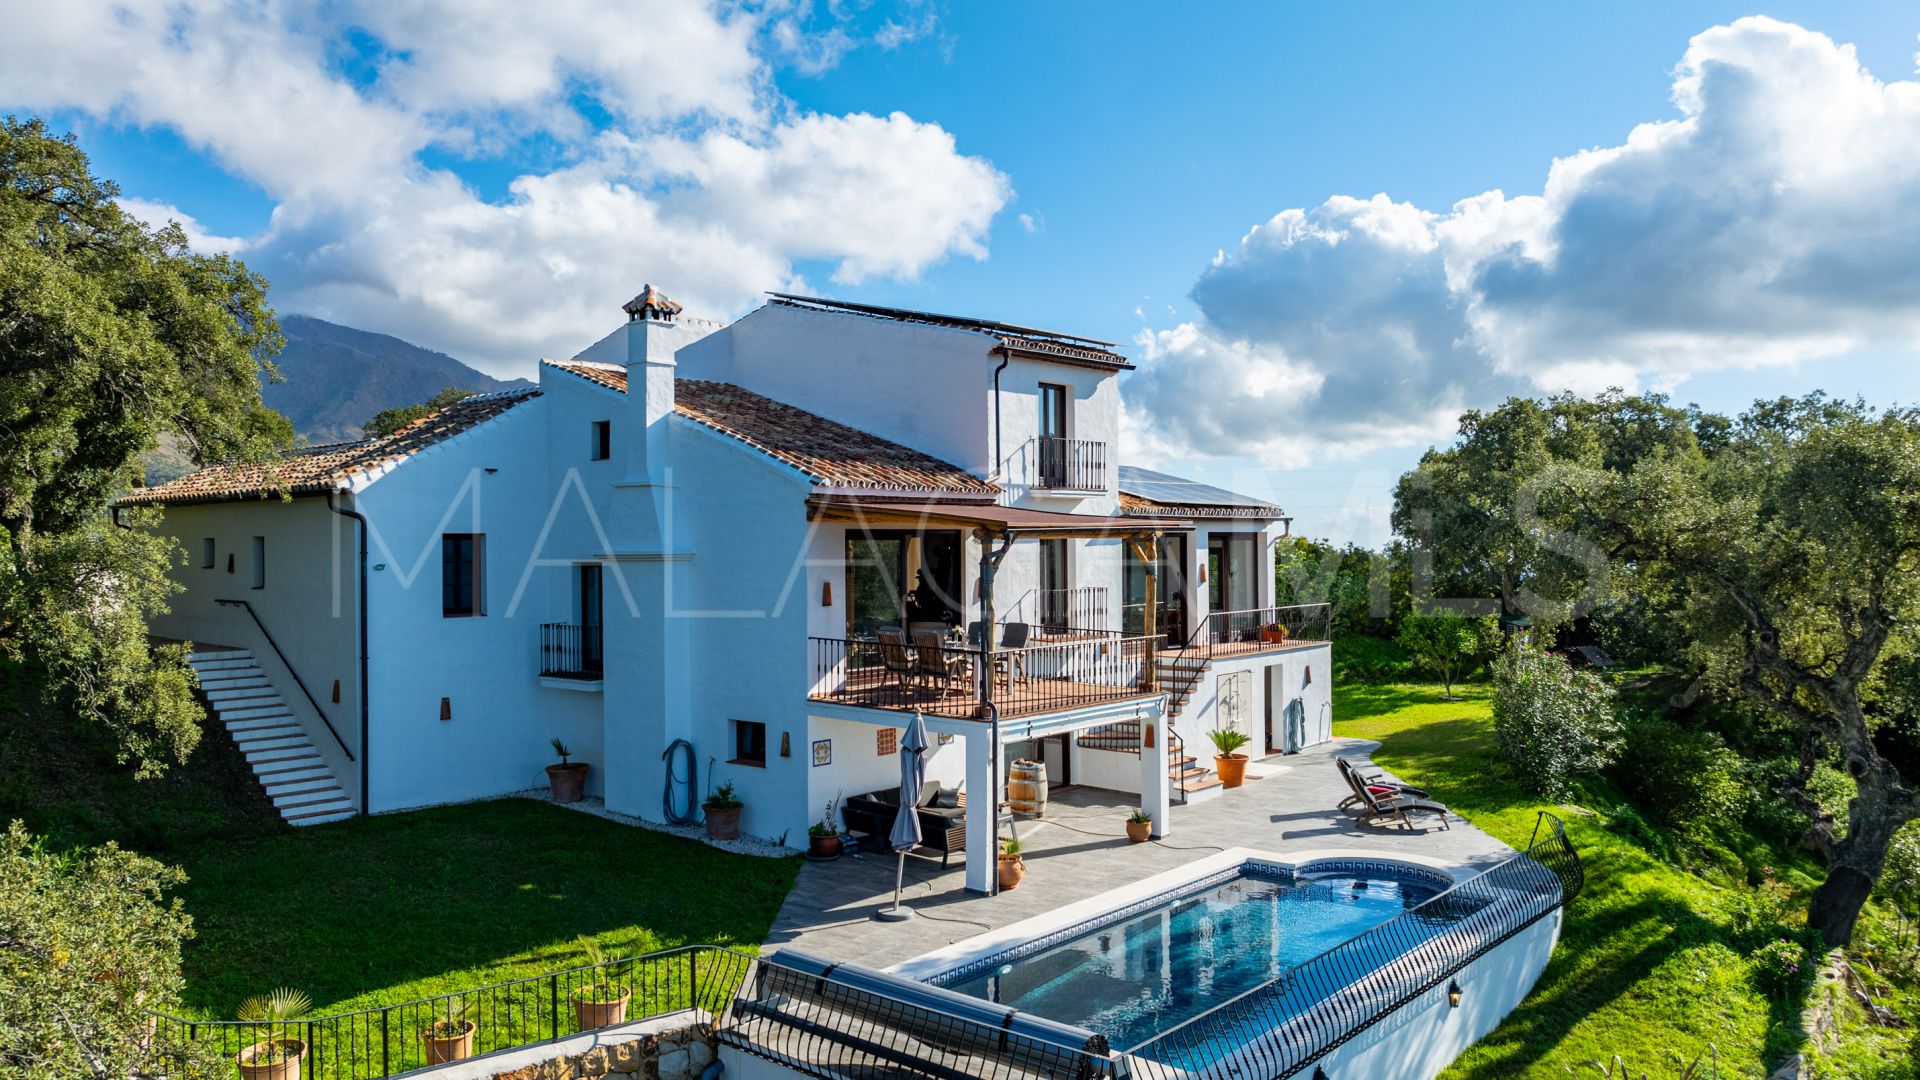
{"x": 337, "y": 377}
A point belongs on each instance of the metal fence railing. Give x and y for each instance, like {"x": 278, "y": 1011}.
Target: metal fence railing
{"x": 393, "y": 1039}
{"x": 570, "y": 651}
{"x": 1070, "y": 464}
{"x": 948, "y": 679}
{"x": 1223, "y": 632}
{"x": 1280, "y": 1029}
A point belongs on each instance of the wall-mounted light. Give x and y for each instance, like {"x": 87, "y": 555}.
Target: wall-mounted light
{"x": 1320, "y": 1073}
{"x": 446, "y": 708}
{"x": 786, "y": 744}
{"x": 1146, "y": 736}
{"x": 336, "y": 691}
{"x": 826, "y": 594}
{"x": 229, "y": 562}
{"x": 1453, "y": 993}
{"x": 1203, "y": 573}
{"x": 1308, "y": 681}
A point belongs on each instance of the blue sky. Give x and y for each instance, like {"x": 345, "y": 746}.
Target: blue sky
{"x": 1100, "y": 157}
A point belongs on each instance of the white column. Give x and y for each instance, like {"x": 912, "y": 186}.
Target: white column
{"x": 983, "y": 811}
{"x": 1156, "y": 787}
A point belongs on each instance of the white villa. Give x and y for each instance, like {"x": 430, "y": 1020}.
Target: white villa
{"x": 772, "y": 541}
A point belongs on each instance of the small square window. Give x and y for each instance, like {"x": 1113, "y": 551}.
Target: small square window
{"x": 749, "y": 743}
{"x": 259, "y": 562}
{"x": 602, "y": 440}
{"x": 206, "y": 554}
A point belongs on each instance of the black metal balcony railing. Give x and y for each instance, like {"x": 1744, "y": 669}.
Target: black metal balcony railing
{"x": 1281, "y": 1028}
{"x": 1070, "y": 464}
{"x": 950, "y": 679}
{"x": 570, "y": 651}
{"x": 387, "y": 1041}
{"x": 1229, "y": 632}
{"x": 1065, "y": 609}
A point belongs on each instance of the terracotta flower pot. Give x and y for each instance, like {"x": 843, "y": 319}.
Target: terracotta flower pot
{"x": 723, "y": 822}
{"x": 452, "y": 1048}
{"x": 823, "y": 847}
{"x": 568, "y": 782}
{"x": 599, "y": 1014}
{"x": 1232, "y": 769}
{"x": 1012, "y": 870}
{"x": 1139, "y": 832}
{"x": 287, "y": 1067}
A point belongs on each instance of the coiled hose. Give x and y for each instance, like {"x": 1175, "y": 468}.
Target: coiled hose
{"x": 683, "y": 780}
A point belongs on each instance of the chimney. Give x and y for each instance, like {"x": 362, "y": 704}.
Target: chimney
{"x": 645, "y": 345}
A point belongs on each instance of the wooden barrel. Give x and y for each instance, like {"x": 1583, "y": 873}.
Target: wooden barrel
{"x": 1027, "y": 787}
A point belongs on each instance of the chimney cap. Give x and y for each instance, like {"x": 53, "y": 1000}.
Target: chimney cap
{"x": 651, "y": 304}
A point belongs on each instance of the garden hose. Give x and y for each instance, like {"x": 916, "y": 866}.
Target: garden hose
{"x": 683, "y": 780}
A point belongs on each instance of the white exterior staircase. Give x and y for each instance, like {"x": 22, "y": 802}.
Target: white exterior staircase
{"x": 284, "y": 759}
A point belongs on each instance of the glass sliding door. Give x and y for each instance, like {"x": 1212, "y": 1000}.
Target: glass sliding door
{"x": 903, "y": 579}
{"x": 1230, "y": 571}
{"x": 1170, "y": 585}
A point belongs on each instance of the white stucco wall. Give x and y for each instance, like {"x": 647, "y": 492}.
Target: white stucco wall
{"x": 1203, "y": 713}
{"x": 309, "y": 604}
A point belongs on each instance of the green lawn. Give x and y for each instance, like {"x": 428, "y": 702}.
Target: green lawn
{"x": 393, "y": 908}
{"x": 1646, "y": 962}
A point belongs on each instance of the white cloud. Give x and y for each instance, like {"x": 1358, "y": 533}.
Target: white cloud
{"x": 1033, "y": 222}
{"x": 669, "y": 156}
{"x": 158, "y": 214}
{"x": 1758, "y": 227}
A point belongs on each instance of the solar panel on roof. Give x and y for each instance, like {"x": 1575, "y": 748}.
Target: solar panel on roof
{"x": 1178, "y": 491}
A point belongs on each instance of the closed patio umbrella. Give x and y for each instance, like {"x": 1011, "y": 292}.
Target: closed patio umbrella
{"x": 905, "y": 834}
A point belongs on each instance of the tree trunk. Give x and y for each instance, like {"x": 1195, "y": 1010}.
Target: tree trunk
{"x": 1837, "y": 902}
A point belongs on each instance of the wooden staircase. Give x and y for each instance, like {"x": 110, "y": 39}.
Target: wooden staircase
{"x": 284, "y": 759}
{"x": 1185, "y": 770}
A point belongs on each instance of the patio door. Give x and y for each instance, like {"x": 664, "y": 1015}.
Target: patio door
{"x": 1170, "y": 571}
{"x": 592, "y": 617}
{"x": 1230, "y": 571}
{"x": 900, "y": 578}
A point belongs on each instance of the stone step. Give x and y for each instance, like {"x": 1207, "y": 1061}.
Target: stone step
{"x": 291, "y": 778}
{"x": 235, "y": 680}
{"x": 218, "y": 654}
{"x": 220, "y": 698}
{"x": 308, "y": 801}
{"x": 299, "y": 791}
{"x": 220, "y": 669}
{"x": 340, "y": 812}
{"x": 292, "y": 738}
{"x": 277, "y": 718}
{"x": 253, "y": 712}
{"x": 279, "y": 767}
{"x": 266, "y": 761}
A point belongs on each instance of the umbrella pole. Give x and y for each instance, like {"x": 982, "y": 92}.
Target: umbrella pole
{"x": 896, "y": 913}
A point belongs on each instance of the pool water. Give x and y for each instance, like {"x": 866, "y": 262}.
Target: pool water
{"x": 1136, "y": 977}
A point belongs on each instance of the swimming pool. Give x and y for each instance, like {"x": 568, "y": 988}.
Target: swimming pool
{"x": 1159, "y": 962}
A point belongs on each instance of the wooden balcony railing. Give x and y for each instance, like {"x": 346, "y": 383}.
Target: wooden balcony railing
{"x": 1061, "y": 609}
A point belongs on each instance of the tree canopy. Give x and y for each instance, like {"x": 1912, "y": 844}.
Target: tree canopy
{"x": 113, "y": 335}
{"x": 388, "y": 421}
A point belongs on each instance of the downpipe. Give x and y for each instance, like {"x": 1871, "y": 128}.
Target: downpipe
{"x": 366, "y": 790}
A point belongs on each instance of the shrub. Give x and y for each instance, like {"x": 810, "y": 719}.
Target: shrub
{"x": 1681, "y": 777}
{"x": 1371, "y": 660}
{"x": 90, "y": 945}
{"x": 1445, "y": 643}
{"x": 1554, "y": 722}
{"x": 1781, "y": 967}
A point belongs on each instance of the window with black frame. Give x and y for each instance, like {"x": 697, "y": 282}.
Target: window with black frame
{"x": 462, "y": 590}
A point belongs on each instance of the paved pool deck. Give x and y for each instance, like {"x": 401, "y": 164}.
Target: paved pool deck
{"x": 1080, "y": 849}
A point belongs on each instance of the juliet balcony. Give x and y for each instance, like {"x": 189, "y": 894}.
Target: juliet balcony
{"x": 1070, "y": 465}
{"x": 571, "y": 651}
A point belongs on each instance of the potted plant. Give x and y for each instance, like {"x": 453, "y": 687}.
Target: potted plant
{"x": 568, "y": 780}
{"x": 1227, "y": 759}
{"x": 450, "y": 1036}
{"x": 274, "y": 1058}
{"x": 723, "y": 813}
{"x": 823, "y": 837}
{"x": 598, "y": 1003}
{"x": 1273, "y": 634}
{"x": 1012, "y": 867}
{"x": 1139, "y": 827}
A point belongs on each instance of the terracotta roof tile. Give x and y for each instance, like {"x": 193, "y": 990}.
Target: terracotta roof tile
{"x": 316, "y": 469}
{"x": 829, "y": 452}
